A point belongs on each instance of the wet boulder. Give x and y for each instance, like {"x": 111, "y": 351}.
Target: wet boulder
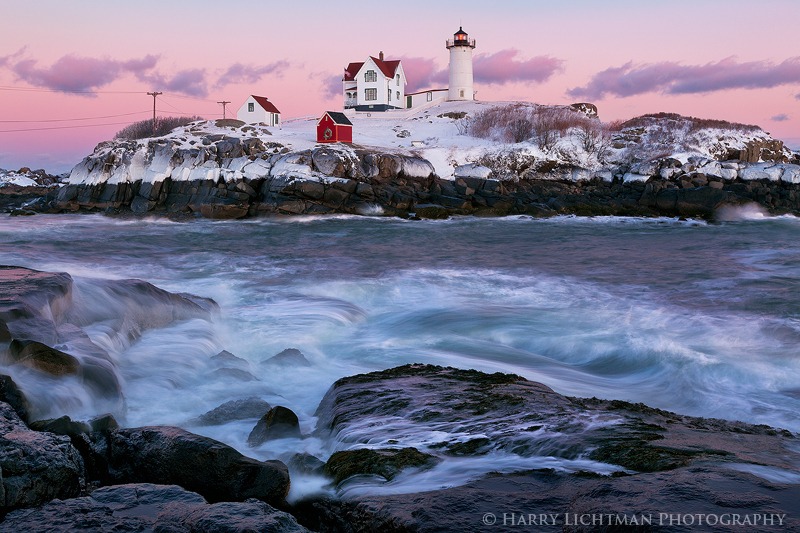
{"x": 38, "y": 356}
{"x": 288, "y": 357}
{"x": 386, "y": 463}
{"x": 170, "y": 455}
{"x": 11, "y": 394}
{"x": 36, "y": 467}
{"x": 279, "y": 423}
{"x": 243, "y": 409}
{"x": 150, "y": 507}
{"x": 226, "y": 358}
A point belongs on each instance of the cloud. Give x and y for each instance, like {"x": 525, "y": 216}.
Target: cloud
{"x": 423, "y": 73}
{"x": 503, "y": 67}
{"x": 240, "y": 73}
{"x": 498, "y": 69}
{"x": 782, "y": 117}
{"x": 674, "y": 78}
{"x": 331, "y": 84}
{"x": 191, "y": 82}
{"x": 75, "y": 74}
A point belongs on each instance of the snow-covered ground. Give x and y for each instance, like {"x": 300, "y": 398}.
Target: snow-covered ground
{"x": 26, "y": 178}
{"x": 436, "y": 133}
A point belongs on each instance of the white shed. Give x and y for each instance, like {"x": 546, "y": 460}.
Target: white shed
{"x": 259, "y": 109}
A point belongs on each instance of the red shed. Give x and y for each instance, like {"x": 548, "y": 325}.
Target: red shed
{"x": 334, "y": 127}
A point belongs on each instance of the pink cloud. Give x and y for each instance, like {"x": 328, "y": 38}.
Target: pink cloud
{"x": 423, "y": 73}
{"x": 782, "y": 117}
{"x": 241, "y": 73}
{"x": 191, "y": 82}
{"x": 503, "y": 67}
{"x": 74, "y": 74}
{"x": 674, "y": 78}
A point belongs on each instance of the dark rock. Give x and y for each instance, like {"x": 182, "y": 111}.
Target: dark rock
{"x": 170, "y": 455}
{"x": 11, "y": 394}
{"x": 148, "y": 507}
{"x": 63, "y": 425}
{"x": 672, "y": 463}
{"x": 233, "y": 373}
{"x": 36, "y": 467}
{"x": 25, "y": 293}
{"x": 21, "y": 213}
{"x": 36, "y": 355}
{"x": 225, "y": 358}
{"x": 288, "y": 357}
{"x": 252, "y": 407}
{"x": 431, "y": 211}
{"x": 224, "y": 211}
{"x": 104, "y": 423}
{"x": 279, "y": 423}
{"x": 386, "y": 463}
{"x": 305, "y": 463}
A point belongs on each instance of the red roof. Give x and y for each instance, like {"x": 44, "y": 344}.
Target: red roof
{"x": 264, "y": 102}
{"x": 351, "y": 71}
{"x": 388, "y": 68}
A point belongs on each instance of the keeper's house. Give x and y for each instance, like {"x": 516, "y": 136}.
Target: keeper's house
{"x": 374, "y": 85}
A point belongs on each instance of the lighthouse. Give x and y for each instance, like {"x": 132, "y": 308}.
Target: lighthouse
{"x": 460, "y": 47}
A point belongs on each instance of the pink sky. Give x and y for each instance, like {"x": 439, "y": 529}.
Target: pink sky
{"x": 59, "y": 61}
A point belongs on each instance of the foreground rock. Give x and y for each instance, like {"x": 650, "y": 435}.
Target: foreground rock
{"x": 148, "y": 507}
{"x": 661, "y": 462}
{"x": 170, "y": 455}
{"x": 43, "y": 340}
{"x": 35, "y": 467}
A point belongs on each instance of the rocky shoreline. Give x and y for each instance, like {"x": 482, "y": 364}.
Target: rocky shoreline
{"x": 696, "y": 189}
{"x": 240, "y": 172}
{"x": 595, "y": 457}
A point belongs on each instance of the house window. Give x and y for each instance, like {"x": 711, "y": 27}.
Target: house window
{"x": 430, "y": 96}
{"x": 397, "y": 80}
{"x": 370, "y": 75}
{"x": 277, "y": 119}
{"x": 398, "y": 95}
{"x": 251, "y": 107}
{"x": 389, "y": 97}
{"x": 370, "y": 94}
{"x": 461, "y": 93}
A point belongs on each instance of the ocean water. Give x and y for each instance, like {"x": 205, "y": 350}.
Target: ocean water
{"x": 702, "y": 319}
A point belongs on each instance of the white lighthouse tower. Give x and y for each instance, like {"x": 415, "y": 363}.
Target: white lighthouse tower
{"x": 460, "y": 47}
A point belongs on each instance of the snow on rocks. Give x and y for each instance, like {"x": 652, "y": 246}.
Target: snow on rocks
{"x": 472, "y": 170}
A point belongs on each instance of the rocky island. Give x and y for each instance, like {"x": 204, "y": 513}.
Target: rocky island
{"x": 454, "y": 158}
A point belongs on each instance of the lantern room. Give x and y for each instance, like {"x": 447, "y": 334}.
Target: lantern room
{"x": 461, "y": 38}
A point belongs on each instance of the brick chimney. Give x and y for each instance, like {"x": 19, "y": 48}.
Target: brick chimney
{"x": 380, "y": 55}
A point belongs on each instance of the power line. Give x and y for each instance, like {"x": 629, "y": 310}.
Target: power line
{"x": 66, "y": 127}
{"x": 71, "y": 119}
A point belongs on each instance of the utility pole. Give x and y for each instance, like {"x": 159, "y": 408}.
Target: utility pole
{"x": 154, "y": 94}
{"x": 224, "y": 103}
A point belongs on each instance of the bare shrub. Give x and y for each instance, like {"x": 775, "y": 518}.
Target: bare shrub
{"x": 594, "y": 138}
{"x": 505, "y": 123}
{"x": 144, "y": 128}
{"x": 463, "y": 125}
{"x": 519, "y": 130}
{"x": 694, "y": 123}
